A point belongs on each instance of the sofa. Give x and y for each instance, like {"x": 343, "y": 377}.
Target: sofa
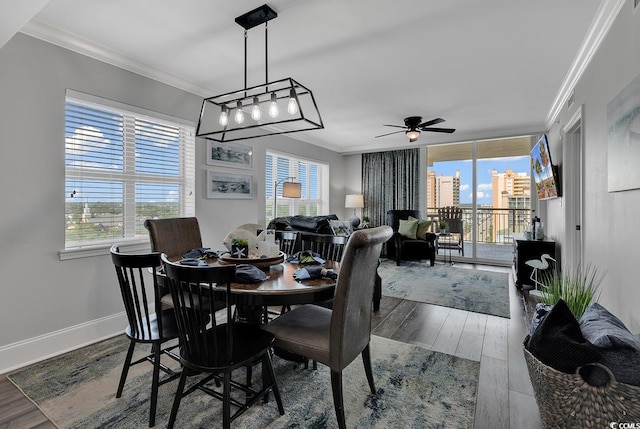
{"x": 321, "y": 224}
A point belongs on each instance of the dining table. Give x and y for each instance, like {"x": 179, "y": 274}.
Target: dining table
{"x": 280, "y": 289}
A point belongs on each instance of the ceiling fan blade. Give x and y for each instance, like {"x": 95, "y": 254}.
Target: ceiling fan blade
{"x": 388, "y": 134}
{"x": 431, "y": 122}
{"x": 395, "y": 126}
{"x": 439, "y": 130}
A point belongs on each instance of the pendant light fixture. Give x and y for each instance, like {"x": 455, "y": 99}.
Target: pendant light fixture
{"x": 278, "y": 107}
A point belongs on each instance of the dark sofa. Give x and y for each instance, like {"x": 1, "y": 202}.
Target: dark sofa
{"x": 318, "y": 225}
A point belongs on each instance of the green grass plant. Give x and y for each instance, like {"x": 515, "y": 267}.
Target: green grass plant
{"x": 578, "y": 288}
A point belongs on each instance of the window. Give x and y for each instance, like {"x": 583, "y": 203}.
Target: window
{"x": 123, "y": 165}
{"x": 314, "y": 178}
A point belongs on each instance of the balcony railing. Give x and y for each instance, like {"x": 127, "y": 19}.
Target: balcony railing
{"x": 495, "y": 228}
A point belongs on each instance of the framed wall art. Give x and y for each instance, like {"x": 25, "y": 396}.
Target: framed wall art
{"x": 229, "y": 155}
{"x": 623, "y": 150}
{"x": 229, "y": 185}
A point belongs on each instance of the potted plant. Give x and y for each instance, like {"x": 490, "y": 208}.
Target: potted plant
{"x": 365, "y": 222}
{"x": 443, "y": 227}
{"x": 239, "y": 248}
{"x": 578, "y": 288}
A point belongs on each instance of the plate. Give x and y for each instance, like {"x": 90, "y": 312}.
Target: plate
{"x": 258, "y": 262}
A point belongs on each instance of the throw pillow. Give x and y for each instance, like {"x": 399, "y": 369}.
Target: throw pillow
{"x": 341, "y": 227}
{"x": 408, "y": 228}
{"x": 423, "y": 227}
{"x": 620, "y": 350}
{"x": 558, "y": 342}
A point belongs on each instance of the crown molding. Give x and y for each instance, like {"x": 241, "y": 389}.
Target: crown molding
{"x": 107, "y": 55}
{"x": 598, "y": 30}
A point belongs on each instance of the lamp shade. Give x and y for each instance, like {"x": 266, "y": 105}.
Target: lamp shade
{"x": 291, "y": 190}
{"x": 354, "y": 201}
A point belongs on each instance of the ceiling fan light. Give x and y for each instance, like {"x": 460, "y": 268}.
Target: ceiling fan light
{"x": 412, "y": 134}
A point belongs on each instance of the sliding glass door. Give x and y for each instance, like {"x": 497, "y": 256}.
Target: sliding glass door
{"x": 490, "y": 182}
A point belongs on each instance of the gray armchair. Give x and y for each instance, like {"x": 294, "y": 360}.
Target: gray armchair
{"x": 336, "y": 337}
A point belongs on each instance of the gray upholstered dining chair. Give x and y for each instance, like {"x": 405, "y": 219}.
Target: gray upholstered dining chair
{"x": 336, "y": 337}
{"x": 174, "y": 237}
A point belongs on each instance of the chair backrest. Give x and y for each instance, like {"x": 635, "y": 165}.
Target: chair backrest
{"x": 395, "y": 216}
{"x": 287, "y": 241}
{"x": 174, "y": 236}
{"x": 329, "y": 247}
{"x": 193, "y": 290}
{"x": 352, "y": 302}
{"x": 453, "y": 217}
{"x": 131, "y": 271}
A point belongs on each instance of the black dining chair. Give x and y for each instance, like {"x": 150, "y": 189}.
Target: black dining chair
{"x": 145, "y": 326}
{"x": 329, "y": 247}
{"x": 336, "y": 337}
{"x": 220, "y": 347}
{"x": 287, "y": 241}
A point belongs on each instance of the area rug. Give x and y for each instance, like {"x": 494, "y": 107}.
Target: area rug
{"x": 416, "y": 388}
{"x": 467, "y": 289}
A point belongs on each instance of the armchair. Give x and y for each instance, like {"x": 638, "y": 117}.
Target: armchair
{"x": 401, "y": 247}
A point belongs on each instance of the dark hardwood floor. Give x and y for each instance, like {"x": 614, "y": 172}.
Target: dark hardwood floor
{"x": 505, "y": 396}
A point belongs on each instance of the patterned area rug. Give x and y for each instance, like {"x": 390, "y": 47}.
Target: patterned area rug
{"x": 417, "y": 388}
{"x": 467, "y": 289}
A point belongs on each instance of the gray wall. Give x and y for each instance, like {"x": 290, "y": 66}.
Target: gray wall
{"x": 49, "y": 305}
{"x": 610, "y": 226}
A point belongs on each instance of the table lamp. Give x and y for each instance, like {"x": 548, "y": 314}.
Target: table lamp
{"x": 355, "y": 202}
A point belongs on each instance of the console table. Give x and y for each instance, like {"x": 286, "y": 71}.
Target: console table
{"x": 525, "y": 250}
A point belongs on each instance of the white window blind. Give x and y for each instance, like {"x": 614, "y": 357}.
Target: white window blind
{"x": 314, "y": 180}
{"x": 123, "y": 165}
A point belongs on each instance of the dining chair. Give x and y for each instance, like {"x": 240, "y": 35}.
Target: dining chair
{"x": 329, "y": 247}
{"x": 287, "y": 241}
{"x": 174, "y": 236}
{"x": 145, "y": 326}
{"x": 222, "y": 346}
{"x": 336, "y": 337}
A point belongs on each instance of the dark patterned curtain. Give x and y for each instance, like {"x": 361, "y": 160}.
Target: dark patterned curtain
{"x": 390, "y": 180}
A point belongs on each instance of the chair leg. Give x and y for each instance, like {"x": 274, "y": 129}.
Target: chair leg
{"x": 366, "y": 359}
{"x": 125, "y": 368}
{"x": 154, "y": 384}
{"x": 266, "y": 361}
{"x": 338, "y": 403}
{"x": 178, "y": 398}
{"x": 226, "y": 401}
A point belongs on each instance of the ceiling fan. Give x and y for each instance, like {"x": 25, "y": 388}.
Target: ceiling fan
{"x": 413, "y": 126}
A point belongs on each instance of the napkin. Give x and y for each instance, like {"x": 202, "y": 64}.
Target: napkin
{"x": 200, "y": 253}
{"x": 246, "y": 273}
{"x": 306, "y": 257}
{"x": 314, "y": 272}
{"x": 192, "y": 261}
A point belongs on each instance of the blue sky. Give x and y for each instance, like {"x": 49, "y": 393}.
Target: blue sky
{"x": 519, "y": 164}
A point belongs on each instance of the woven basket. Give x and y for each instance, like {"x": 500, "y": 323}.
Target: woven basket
{"x": 568, "y": 401}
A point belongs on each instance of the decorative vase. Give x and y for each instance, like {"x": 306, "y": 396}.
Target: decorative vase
{"x": 239, "y": 251}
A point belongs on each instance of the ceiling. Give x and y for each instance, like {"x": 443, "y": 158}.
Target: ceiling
{"x": 491, "y": 68}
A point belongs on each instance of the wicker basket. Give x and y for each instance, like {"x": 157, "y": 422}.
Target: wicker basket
{"x": 568, "y": 401}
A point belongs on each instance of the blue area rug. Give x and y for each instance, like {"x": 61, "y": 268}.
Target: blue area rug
{"x": 416, "y": 388}
{"x": 466, "y": 289}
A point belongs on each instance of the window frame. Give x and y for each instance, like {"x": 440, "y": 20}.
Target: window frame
{"x": 296, "y": 167}
{"x": 128, "y": 176}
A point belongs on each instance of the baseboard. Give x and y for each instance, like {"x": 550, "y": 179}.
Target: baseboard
{"x": 32, "y": 350}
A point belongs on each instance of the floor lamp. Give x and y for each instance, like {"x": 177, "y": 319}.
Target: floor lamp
{"x": 289, "y": 190}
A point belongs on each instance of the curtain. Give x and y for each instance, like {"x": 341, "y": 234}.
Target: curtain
{"x": 390, "y": 180}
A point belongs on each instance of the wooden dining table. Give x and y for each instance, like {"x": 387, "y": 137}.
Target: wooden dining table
{"x": 280, "y": 289}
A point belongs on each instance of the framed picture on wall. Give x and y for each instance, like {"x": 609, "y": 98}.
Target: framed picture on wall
{"x": 229, "y": 185}
{"x": 229, "y": 155}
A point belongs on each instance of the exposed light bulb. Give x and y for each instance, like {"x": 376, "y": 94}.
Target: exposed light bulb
{"x": 239, "y": 113}
{"x": 273, "y": 106}
{"x": 255, "y": 110}
{"x": 292, "y": 107}
{"x": 224, "y": 117}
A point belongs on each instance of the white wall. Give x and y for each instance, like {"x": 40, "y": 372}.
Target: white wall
{"x": 48, "y": 305}
{"x": 610, "y": 226}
